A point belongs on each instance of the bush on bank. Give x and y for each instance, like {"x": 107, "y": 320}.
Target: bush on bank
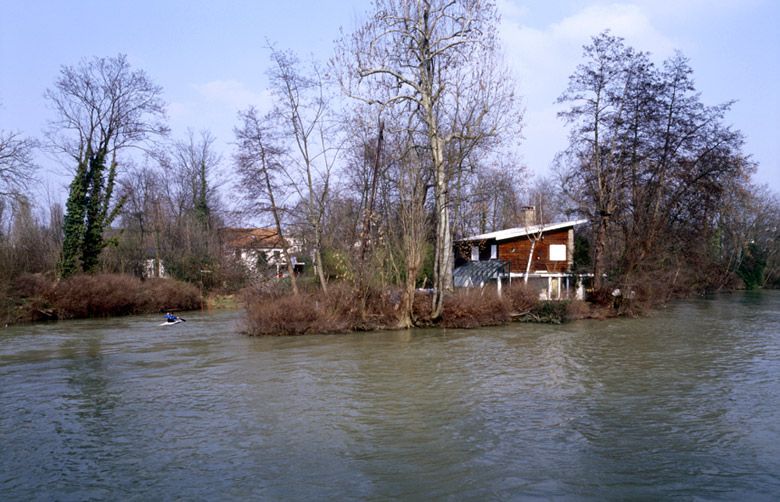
{"x": 35, "y": 297}
{"x": 273, "y": 311}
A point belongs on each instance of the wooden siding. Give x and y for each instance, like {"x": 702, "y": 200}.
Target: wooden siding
{"x": 516, "y": 252}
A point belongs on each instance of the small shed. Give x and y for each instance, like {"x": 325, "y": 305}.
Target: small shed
{"x": 540, "y": 255}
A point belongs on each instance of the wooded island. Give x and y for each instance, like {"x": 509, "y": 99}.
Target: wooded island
{"x": 376, "y": 177}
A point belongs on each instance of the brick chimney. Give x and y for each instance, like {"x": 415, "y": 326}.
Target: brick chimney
{"x": 528, "y": 216}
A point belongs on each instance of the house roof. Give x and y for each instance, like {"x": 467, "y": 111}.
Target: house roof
{"x": 252, "y": 238}
{"x": 511, "y": 233}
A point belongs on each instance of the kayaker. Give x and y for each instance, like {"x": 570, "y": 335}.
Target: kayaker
{"x": 170, "y": 317}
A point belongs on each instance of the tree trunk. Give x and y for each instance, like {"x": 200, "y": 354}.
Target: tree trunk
{"x": 443, "y": 256}
{"x": 530, "y": 259}
{"x": 599, "y": 248}
{"x": 320, "y": 271}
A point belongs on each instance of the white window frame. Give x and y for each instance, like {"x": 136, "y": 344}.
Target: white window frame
{"x": 474, "y": 253}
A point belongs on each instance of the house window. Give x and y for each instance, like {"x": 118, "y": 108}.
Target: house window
{"x": 474, "y": 253}
{"x": 493, "y": 251}
{"x": 557, "y": 252}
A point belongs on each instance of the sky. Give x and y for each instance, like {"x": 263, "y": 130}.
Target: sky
{"x": 211, "y": 58}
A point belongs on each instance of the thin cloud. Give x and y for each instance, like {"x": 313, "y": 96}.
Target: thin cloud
{"x": 214, "y": 106}
{"x": 233, "y": 94}
{"x": 543, "y": 57}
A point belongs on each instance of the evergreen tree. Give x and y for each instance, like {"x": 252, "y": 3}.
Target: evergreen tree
{"x": 74, "y": 222}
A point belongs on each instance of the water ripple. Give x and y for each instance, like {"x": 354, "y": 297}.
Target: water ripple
{"x": 682, "y": 405}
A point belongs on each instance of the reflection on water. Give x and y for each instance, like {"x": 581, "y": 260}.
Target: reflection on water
{"x": 683, "y": 404}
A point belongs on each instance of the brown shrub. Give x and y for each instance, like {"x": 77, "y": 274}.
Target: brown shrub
{"x": 601, "y": 297}
{"x": 362, "y": 309}
{"x": 553, "y": 312}
{"x": 32, "y": 285}
{"x": 421, "y": 308}
{"x": 288, "y": 315}
{"x": 157, "y": 295}
{"x": 342, "y": 300}
{"x": 96, "y": 295}
{"x": 472, "y": 308}
{"x": 578, "y": 309}
{"x": 105, "y": 295}
{"x": 271, "y": 311}
{"x": 521, "y": 298}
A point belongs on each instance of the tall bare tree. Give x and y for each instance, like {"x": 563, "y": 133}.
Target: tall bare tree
{"x": 649, "y": 164}
{"x": 597, "y": 91}
{"x": 264, "y": 180}
{"x": 302, "y": 109}
{"x": 192, "y": 167}
{"x": 439, "y": 59}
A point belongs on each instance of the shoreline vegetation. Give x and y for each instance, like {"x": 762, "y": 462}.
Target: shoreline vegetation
{"x": 274, "y": 310}
{"x": 35, "y": 297}
{"x": 271, "y": 312}
{"x": 271, "y": 309}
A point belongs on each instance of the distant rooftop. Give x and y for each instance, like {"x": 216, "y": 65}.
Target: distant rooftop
{"x": 248, "y": 238}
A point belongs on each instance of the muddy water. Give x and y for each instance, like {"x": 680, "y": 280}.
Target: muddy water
{"x": 684, "y": 404}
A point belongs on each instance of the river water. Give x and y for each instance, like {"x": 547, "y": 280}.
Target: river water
{"x": 684, "y": 404}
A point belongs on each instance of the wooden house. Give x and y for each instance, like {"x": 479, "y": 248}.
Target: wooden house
{"x": 540, "y": 255}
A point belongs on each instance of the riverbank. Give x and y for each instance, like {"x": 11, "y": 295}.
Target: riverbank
{"x": 273, "y": 310}
{"x": 344, "y": 309}
{"x": 34, "y": 297}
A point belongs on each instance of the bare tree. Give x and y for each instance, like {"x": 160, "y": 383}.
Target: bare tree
{"x": 102, "y": 107}
{"x": 438, "y": 59}
{"x": 412, "y": 185}
{"x": 192, "y": 167}
{"x": 486, "y": 197}
{"x": 264, "y": 179}
{"x": 649, "y": 164}
{"x": 303, "y": 112}
{"x": 597, "y": 91}
{"x": 16, "y": 163}
{"x": 143, "y": 221}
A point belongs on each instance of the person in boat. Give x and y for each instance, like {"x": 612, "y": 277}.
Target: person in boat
{"x": 170, "y": 317}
